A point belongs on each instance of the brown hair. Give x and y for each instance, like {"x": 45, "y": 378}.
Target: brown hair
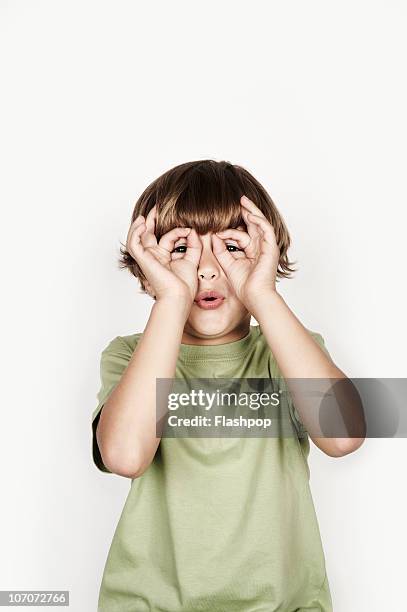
{"x": 205, "y": 195}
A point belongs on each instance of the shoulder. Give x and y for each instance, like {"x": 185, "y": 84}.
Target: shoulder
{"x": 261, "y": 340}
{"x": 127, "y": 342}
{"x": 120, "y": 347}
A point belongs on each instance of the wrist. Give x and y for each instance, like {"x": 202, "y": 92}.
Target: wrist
{"x": 177, "y": 306}
{"x": 256, "y": 302}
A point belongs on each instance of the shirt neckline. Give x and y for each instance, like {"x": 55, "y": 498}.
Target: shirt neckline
{"x": 228, "y": 350}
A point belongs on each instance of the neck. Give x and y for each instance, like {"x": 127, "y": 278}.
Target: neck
{"x": 191, "y": 337}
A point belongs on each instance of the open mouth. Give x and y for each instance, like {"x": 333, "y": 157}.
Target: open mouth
{"x": 209, "y": 300}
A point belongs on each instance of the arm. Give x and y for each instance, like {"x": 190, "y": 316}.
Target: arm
{"x": 299, "y": 356}
{"x": 296, "y": 352}
{"x": 126, "y": 432}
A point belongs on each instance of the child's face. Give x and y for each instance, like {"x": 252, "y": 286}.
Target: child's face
{"x": 231, "y": 313}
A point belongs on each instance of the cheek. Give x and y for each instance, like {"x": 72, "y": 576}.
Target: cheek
{"x": 234, "y": 303}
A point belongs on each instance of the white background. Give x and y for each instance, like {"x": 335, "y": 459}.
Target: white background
{"x": 98, "y": 99}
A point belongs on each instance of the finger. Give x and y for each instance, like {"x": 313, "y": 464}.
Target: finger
{"x": 194, "y": 248}
{"x": 168, "y": 240}
{"x": 151, "y": 219}
{"x": 134, "y": 241}
{"x": 138, "y": 220}
{"x": 241, "y": 237}
{"x": 221, "y": 253}
{"x": 255, "y": 233}
{"x": 149, "y": 239}
{"x": 252, "y": 229}
{"x": 145, "y": 259}
{"x": 250, "y": 243}
{"x": 251, "y": 206}
{"x": 269, "y": 236}
{"x": 135, "y": 223}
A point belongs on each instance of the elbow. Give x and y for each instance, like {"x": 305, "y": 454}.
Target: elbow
{"x": 345, "y": 446}
{"x": 128, "y": 467}
{"x": 129, "y": 471}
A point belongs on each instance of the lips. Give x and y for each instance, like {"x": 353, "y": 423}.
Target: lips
{"x": 208, "y": 300}
{"x": 208, "y": 295}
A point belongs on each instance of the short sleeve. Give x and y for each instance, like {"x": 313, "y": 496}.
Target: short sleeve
{"x": 320, "y": 341}
{"x": 113, "y": 362}
{"x": 295, "y": 415}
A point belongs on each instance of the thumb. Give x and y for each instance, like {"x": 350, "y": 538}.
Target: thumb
{"x": 221, "y": 253}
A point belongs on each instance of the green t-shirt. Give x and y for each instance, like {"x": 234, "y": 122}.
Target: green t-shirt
{"x": 216, "y": 524}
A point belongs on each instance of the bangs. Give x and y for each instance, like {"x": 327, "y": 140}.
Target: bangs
{"x": 205, "y": 201}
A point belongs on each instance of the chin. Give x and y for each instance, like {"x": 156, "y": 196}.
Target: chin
{"x": 207, "y": 329}
{"x": 207, "y": 324}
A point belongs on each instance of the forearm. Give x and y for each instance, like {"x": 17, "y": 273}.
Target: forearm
{"x": 296, "y": 352}
{"x": 126, "y": 431}
{"x": 298, "y": 356}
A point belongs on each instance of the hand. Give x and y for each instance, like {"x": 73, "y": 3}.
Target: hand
{"x": 256, "y": 273}
{"x": 166, "y": 277}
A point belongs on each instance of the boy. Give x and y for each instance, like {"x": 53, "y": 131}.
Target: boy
{"x": 226, "y": 524}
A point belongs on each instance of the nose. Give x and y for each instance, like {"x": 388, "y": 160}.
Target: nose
{"x": 207, "y": 275}
{"x": 208, "y": 268}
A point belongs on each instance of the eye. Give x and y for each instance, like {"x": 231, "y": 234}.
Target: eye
{"x": 234, "y": 248}
{"x": 181, "y": 246}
